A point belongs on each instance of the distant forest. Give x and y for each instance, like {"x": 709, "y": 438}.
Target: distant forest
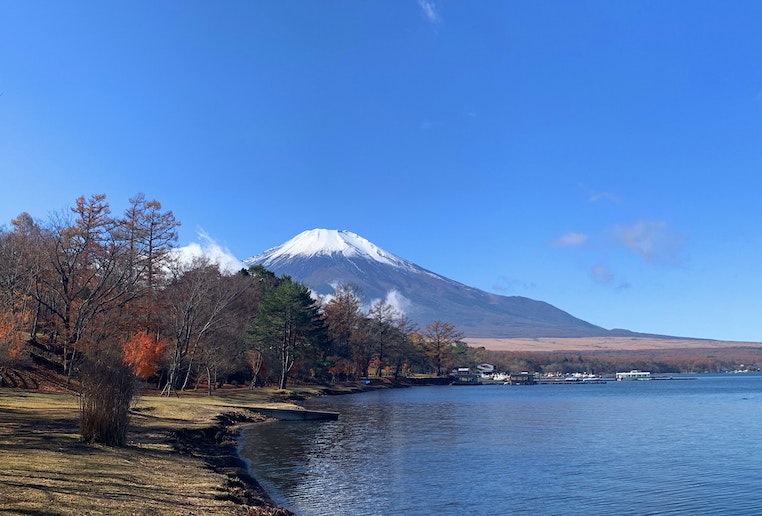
{"x": 103, "y": 291}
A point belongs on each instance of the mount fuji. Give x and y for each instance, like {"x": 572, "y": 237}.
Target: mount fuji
{"x": 323, "y": 259}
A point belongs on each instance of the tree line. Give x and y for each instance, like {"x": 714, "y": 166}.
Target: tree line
{"x": 109, "y": 295}
{"x": 101, "y": 289}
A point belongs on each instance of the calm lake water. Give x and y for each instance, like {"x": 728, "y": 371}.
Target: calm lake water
{"x": 656, "y": 447}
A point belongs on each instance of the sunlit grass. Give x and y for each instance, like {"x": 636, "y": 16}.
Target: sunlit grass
{"x": 47, "y": 469}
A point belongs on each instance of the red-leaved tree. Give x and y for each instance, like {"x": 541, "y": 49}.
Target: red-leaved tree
{"x": 142, "y": 352}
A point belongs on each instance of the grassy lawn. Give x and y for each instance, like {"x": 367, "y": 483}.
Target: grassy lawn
{"x": 47, "y": 469}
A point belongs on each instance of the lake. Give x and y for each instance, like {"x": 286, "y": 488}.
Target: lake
{"x": 648, "y": 447}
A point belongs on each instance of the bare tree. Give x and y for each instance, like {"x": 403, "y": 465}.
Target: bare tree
{"x": 17, "y": 269}
{"x": 197, "y": 304}
{"x": 84, "y": 275}
{"x": 150, "y": 235}
{"x": 439, "y": 337}
{"x": 255, "y": 360}
{"x": 400, "y": 349}
{"x": 382, "y": 331}
{"x": 343, "y": 313}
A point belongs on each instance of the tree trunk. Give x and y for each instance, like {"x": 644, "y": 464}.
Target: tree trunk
{"x": 70, "y": 369}
{"x": 188, "y": 372}
{"x": 172, "y": 375}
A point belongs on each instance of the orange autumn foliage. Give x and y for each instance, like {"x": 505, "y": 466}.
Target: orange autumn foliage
{"x": 11, "y": 340}
{"x": 5, "y": 328}
{"x": 142, "y": 352}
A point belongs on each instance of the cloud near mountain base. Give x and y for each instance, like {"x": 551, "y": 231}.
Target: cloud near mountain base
{"x": 210, "y": 250}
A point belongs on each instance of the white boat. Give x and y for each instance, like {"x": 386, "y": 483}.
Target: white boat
{"x": 633, "y": 375}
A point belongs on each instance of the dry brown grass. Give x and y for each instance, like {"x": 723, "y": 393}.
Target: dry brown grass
{"x": 47, "y": 469}
{"x": 601, "y": 344}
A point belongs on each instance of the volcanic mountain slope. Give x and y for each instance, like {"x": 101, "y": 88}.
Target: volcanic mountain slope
{"x": 323, "y": 259}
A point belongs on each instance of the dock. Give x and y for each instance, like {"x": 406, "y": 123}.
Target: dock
{"x": 571, "y": 381}
{"x": 286, "y": 414}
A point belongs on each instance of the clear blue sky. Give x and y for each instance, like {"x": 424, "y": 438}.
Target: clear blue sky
{"x": 603, "y": 156}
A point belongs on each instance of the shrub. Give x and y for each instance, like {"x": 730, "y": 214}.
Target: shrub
{"x": 108, "y": 388}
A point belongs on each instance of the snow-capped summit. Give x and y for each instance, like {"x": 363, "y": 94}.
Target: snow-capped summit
{"x": 326, "y": 242}
{"x": 322, "y": 259}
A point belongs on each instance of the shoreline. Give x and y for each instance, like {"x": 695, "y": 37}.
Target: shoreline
{"x": 218, "y": 447}
{"x": 181, "y": 458}
{"x": 237, "y": 468}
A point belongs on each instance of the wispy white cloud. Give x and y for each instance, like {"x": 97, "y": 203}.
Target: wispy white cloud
{"x": 395, "y": 299}
{"x": 429, "y": 10}
{"x": 594, "y": 196}
{"x": 207, "y": 248}
{"x": 601, "y": 273}
{"x": 507, "y": 285}
{"x": 652, "y": 240}
{"x": 602, "y": 196}
{"x": 570, "y": 239}
{"x": 398, "y": 301}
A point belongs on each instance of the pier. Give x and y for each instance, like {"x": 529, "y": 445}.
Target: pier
{"x": 570, "y": 381}
{"x": 287, "y": 414}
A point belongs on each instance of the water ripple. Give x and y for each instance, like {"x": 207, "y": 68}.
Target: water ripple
{"x": 681, "y": 447}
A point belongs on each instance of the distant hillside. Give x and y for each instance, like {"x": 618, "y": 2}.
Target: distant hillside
{"x": 323, "y": 259}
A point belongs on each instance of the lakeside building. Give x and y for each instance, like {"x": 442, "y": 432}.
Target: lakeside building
{"x": 633, "y": 375}
{"x": 486, "y": 368}
{"x": 522, "y": 378}
{"x": 464, "y": 376}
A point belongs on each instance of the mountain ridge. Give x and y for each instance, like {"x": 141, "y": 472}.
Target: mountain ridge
{"x": 322, "y": 259}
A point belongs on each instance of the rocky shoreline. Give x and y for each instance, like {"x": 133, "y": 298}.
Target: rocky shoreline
{"x": 217, "y": 447}
{"x": 182, "y": 454}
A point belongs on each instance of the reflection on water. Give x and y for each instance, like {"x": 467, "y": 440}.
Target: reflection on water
{"x": 660, "y": 447}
